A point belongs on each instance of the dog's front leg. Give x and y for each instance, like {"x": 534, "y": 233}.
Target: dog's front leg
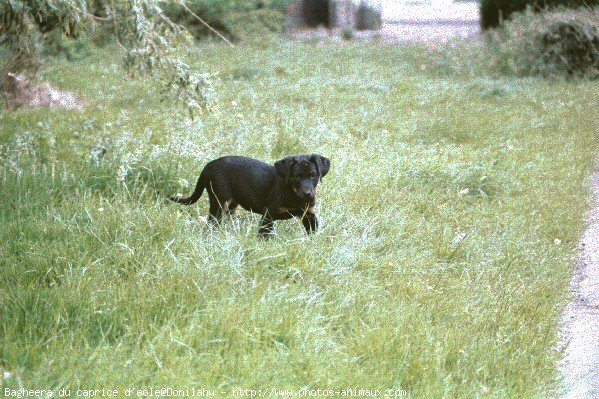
{"x": 310, "y": 222}
{"x": 266, "y": 226}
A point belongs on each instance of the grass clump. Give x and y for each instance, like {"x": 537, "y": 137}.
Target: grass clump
{"x": 347, "y": 33}
{"x": 436, "y": 270}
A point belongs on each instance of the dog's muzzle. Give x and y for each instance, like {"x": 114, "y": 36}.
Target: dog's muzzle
{"x": 305, "y": 194}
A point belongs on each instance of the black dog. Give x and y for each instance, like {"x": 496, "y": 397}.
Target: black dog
{"x": 281, "y": 192}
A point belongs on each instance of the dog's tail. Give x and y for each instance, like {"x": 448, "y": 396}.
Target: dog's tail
{"x": 194, "y": 197}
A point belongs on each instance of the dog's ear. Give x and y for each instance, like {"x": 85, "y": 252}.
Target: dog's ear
{"x": 283, "y": 167}
{"x": 322, "y": 164}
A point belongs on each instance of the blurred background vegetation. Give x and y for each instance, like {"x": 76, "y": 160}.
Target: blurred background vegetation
{"x": 492, "y": 12}
{"x": 520, "y": 37}
{"x": 556, "y": 44}
{"x": 237, "y": 20}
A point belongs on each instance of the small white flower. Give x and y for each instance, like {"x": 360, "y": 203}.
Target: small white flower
{"x": 557, "y": 241}
{"x": 122, "y": 173}
{"x": 101, "y": 209}
{"x": 459, "y": 237}
{"x": 464, "y": 191}
{"x": 234, "y": 103}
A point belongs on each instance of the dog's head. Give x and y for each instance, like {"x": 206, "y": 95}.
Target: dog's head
{"x": 302, "y": 173}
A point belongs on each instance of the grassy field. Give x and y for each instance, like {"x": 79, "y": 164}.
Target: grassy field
{"x": 449, "y": 219}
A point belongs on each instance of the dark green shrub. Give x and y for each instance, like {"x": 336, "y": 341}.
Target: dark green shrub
{"x": 552, "y": 43}
{"x": 236, "y": 19}
{"x": 255, "y": 24}
{"x": 72, "y": 48}
{"x": 347, "y": 33}
{"x": 570, "y": 47}
{"x": 492, "y": 12}
{"x": 211, "y": 11}
{"x": 559, "y": 43}
{"x": 368, "y": 17}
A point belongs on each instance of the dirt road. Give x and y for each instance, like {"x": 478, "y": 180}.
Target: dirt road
{"x": 432, "y": 22}
{"x": 580, "y": 330}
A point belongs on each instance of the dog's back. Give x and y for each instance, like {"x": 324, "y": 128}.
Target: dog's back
{"x": 246, "y": 180}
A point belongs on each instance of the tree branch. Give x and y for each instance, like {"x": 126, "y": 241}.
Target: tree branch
{"x": 206, "y": 24}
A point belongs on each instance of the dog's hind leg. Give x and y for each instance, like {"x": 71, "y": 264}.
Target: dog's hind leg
{"x": 216, "y": 210}
{"x": 232, "y": 207}
{"x": 220, "y": 199}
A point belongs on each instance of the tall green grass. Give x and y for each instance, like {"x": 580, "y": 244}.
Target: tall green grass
{"x": 449, "y": 218}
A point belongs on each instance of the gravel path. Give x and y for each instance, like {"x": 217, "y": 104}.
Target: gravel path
{"x": 396, "y": 32}
{"x": 580, "y": 329}
{"x": 438, "y": 21}
{"x": 427, "y": 31}
{"x": 434, "y": 23}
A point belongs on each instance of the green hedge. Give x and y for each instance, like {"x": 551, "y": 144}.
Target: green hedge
{"x": 492, "y": 12}
{"x": 561, "y": 43}
{"x": 237, "y": 19}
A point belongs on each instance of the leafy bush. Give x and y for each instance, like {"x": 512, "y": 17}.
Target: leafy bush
{"x": 561, "y": 43}
{"x": 255, "y": 24}
{"x": 347, "y": 33}
{"x": 236, "y": 19}
{"x": 72, "y": 48}
{"x": 571, "y": 47}
{"x": 554, "y": 43}
{"x": 492, "y": 12}
{"x": 368, "y": 17}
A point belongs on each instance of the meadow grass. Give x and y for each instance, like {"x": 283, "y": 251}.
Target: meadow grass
{"x": 449, "y": 218}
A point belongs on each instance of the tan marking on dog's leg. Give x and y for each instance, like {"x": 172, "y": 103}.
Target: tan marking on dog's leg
{"x": 226, "y": 205}
{"x": 312, "y": 210}
{"x": 232, "y": 206}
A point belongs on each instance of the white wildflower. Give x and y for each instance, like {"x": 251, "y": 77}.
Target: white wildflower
{"x": 459, "y": 237}
{"x": 122, "y": 173}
